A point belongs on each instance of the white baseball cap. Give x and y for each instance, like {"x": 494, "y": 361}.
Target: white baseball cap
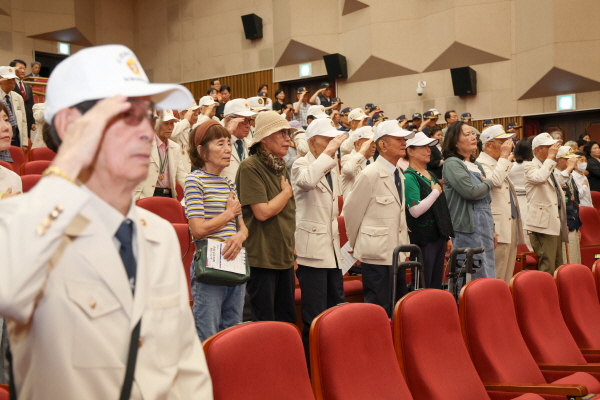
{"x": 421, "y": 139}
{"x": 322, "y": 127}
{"x": 391, "y": 128}
{"x": 495, "y": 132}
{"x": 435, "y": 112}
{"x": 238, "y": 107}
{"x": 7, "y": 72}
{"x": 566, "y": 152}
{"x": 365, "y": 132}
{"x": 207, "y": 101}
{"x": 100, "y": 72}
{"x": 167, "y": 115}
{"x": 193, "y": 107}
{"x": 257, "y": 104}
{"x": 317, "y": 111}
{"x": 357, "y": 114}
{"x": 543, "y": 139}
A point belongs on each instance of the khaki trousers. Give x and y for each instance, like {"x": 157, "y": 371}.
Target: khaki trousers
{"x": 548, "y": 249}
{"x": 505, "y": 256}
{"x": 573, "y": 256}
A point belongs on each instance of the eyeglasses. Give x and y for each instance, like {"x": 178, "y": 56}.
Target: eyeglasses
{"x": 133, "y": 116}
{"x": 245, "y": 121}
{"x": 285, "y": 133}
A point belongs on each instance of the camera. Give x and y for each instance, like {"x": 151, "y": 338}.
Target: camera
{"x": 420, "y": 91}
{"x": 420, "y": 86}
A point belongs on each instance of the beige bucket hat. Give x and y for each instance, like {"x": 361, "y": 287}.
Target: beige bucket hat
{"x": 266, "y": 124}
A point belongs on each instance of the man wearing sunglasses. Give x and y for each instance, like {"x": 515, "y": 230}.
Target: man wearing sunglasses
{"x": 238, "y": 119}
{"x": 91, "y": 286}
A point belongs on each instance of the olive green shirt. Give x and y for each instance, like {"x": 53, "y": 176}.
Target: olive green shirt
{"x": 270, "y": 243}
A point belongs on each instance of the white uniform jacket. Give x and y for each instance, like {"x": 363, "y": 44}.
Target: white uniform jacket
{"x": 542, "y": 202}
{"x": 498, "y": 171}
{"x": 374, "y": 215}
{"x": 181, "y": 136}
{"x": 352, "y": 164}
{"x": 231, "y": 171}
{"x": 69, "y": 308}
{"x": 18, "y": 108}
{"x": 177, "y": 172}
{"x": 317, "y": 235}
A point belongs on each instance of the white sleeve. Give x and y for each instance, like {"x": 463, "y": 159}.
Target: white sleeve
{"x": 424, "y": 205}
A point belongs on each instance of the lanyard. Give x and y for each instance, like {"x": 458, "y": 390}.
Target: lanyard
{"x": 163, "y": 163}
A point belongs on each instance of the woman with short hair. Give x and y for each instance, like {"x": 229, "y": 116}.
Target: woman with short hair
{"x": 592, "y": 152}
{"x": 214, "y": 212}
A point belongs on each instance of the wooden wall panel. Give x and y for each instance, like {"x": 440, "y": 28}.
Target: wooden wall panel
{"x": 502, "y": 121}
{"x": 242, "y": 86}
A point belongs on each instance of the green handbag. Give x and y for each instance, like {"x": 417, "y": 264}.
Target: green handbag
{"x": 214, "y": 276}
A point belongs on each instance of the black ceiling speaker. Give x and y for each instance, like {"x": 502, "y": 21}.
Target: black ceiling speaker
{"x": 336, "y": 66}
{"x": 464, "y": 81}
{"x": 252, "y": 26}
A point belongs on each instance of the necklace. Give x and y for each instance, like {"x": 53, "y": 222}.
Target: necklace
{"x": 422, "y": 176}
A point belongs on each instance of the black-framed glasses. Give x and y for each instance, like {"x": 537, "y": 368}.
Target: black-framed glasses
{"x": 285, "y": 133}
{"x": 133, "y": 116}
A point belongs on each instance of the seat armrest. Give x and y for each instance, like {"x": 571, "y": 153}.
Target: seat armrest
{"x": 538, "y": 388}
{"x": 591, "y": 367}
{"x": 590, "y": 351}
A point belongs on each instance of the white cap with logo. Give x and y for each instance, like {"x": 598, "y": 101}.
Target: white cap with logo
{"x": 317, "y": 111}
{"x": 167, "y": 115}
{"x": 495, "y": 132}
{"x": 543, "y": 139}
{"x": 391, "y": 128}
{"x": 207, "y": 101}
{"x": 421, "y": 139}
{"x": 322, "y": 127}
{"x": 238, "y": 107}
{"x": 365, "y": 132}
{"x": 7, "y": 72}
{"x": 105, "y": 71}
{"x": 357, "y": 114}
{"x": 257, "y": 104}
{"x": 566, "y": 152}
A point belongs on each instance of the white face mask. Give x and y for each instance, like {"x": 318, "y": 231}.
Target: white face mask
{"x": 582, "y": 166}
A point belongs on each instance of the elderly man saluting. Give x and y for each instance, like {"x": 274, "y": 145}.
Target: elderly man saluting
{"x": 374, "y": 214}
{"x": 91, "y": 286}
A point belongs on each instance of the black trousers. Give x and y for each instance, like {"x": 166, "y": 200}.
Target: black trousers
{"x": 377, "y": 285}
{"x": 272, "y": 294}
{"x": 434, "y": 254}
{"x": 322, "y": 288}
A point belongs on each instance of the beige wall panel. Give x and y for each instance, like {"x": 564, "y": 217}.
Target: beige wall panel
{"x": 313, "y": 16}
{"x": 328, "y": 43}
{"x": 50, "y": 7}
{"x": 37, "y": 22}
{"x": 395, "y": 10}
{"x": 203, "y": 28}
{"x": 530, "y": 106}
{"x": 580, "y": 57}
{"x": 549, "y": 104}
{"x": 429, "y": 7}
{"x": 392, "y": 41}
{"x": 533, "y": 24}
{"x": 435, "y": 41}
{"x": 174, "y": 32}
{"x": 356, "y": 46}
{"x": 576, "y": 20}
{"x": 456, "y": 103}
{"x": 588, "y": 100}
{"x": 484, "y": 77}
{"x": 503, "y": 104}
{"x": 389, "y": 92}
{"x": 485, "y": 27}
{"x": 501, "y": 75}
{"x": 435, "y": 85}
{"x": 480, "y": 106}
{"x": 356, "y": 19}
{"x": 281, "y": 22}
{"x": 532, "y": 66}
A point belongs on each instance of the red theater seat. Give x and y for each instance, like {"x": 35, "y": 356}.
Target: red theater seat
{"x": 537, "y": 308}
{"x": 340, "y": 204}
{"x": 4, "y": 394}
{"x": 499, "y": 353}
{"x": 34, "y": 167}
{"x": 596, "y": 200}
{"x": 580, "y": 308}
{"x": 596, "y": 272}
{"x": 437, "y": 367}
{"x": 18, "y": 158}
{"x": 590, "y": 235}
{"x": 258, "y": 361}
{"x": 41, "y": 153}
{"x": 525, "y": 259}
{"x": 29, "y": 181}
{"x": 165, "y": 207}
{"x": 187, "y": 252}
{"x": 352, "y": 355}
{"x": 6, "y": 165}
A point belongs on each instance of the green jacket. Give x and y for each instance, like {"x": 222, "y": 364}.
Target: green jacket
{"x": 459, "y": 191}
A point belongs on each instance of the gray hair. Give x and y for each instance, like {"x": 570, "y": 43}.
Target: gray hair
{"x": 33, "y": 64}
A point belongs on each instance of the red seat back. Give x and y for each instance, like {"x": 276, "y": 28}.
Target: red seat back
{"x": 34, "y": 167}
{"x": 258, "y": 361}
{"x": 490, "y": 330}
{"x": 4, "y": 394}
{"x": 579, "y": 304}
{"x": 366, "y": 370}
{"x": 596, "y": 272}
{"x": 18, "y": 158}
{"x": 187, "y": 251}
{"x": 29, "y": 181}
{"x": 340, "y": 204}
{"x": 41, "y": 153}
{"x": 6, "y": 165}
{"x": 596, "y": 200}
{"x": 440, "y": 367}
{"x": 342, "y": 230}
{"x": 542, "y": 325}
{"x": 179, "y": 191}
{"x": 590, "y": 219}
{"x": 165, "y": 207}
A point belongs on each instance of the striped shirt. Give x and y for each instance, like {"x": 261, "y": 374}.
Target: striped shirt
{"x": 206, "y": 197}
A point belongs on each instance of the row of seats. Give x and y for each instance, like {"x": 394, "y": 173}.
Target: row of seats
{"x": 505, "y": 343}
{"x": 20, "y": 158}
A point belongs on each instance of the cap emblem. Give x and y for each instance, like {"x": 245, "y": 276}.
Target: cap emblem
{"x": 133, "y": 66}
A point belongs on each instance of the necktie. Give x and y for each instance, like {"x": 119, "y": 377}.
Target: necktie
{"x": 125, "y": 236}
{"x": 239, "y": 146}
{"x": 23, "y": 92}
{"x": 328, "y": 176}
{"x": 8, "y": 103}
{"x": 368, "y": 162}
{"x": 559, "y": 192}
{"x": 513, "y": 207}
{"x": 398, "y": 182}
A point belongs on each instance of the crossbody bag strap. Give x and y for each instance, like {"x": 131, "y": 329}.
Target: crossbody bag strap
{"x": 131, "y": 361}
